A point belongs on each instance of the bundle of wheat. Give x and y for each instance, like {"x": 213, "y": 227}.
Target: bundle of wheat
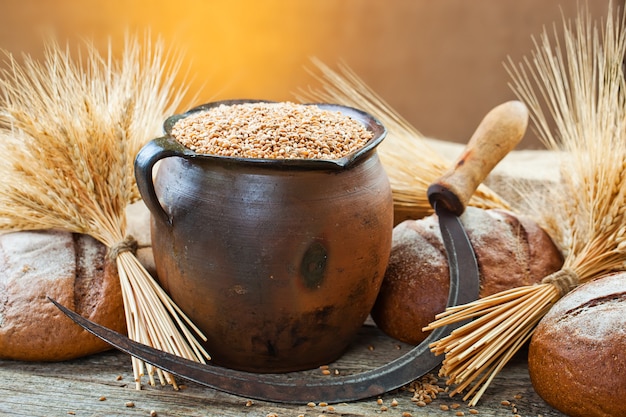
{"x": 579, "y": 85}
{"x": 411, "y": 163}
{"x": 69, "y": 132}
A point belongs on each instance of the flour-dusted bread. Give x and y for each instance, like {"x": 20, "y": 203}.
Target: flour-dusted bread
{"x": 511, "y": 251}
{"x": 577, "y": 355}
{"x": 70, "y": 268}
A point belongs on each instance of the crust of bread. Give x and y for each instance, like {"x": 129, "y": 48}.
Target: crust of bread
{"x": 72, "y": 269}
{"x": 511, "y": 251}
{"x": 577, "y": 355}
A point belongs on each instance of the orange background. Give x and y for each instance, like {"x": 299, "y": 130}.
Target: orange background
{"x": 438, "y": 63}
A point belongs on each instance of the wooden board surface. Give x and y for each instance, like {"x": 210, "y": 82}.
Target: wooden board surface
{"x": 102, "y": 385}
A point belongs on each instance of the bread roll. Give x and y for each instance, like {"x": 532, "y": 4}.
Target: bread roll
{"x": 511, "y": 251}
{"x": 577, "y": 355}
{"x": 70, "y": 268}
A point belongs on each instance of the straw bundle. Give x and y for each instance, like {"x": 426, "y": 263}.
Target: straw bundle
{"x": 69, "y": 132}
{"x": 579, "y": 85}
{"x": 410, "y": 162}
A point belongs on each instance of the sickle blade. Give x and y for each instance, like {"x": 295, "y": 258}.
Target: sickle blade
{"x": 289, "y": 389}
{"x": 461, "y": 257}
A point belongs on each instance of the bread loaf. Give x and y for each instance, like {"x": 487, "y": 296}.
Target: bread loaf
{"x": 577, "y": 355}
{"x": 70, "y": 268}
{"x": 511, "y": 251}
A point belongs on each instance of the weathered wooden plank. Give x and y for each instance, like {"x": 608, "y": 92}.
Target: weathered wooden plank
{"x": 90, "y": 387}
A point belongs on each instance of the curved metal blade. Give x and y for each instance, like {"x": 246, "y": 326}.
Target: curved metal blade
{"x": 461, "y": 257}
{"x": 297, "y": 390}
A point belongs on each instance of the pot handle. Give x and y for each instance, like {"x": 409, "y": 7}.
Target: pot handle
{"x": 148, "y": 156}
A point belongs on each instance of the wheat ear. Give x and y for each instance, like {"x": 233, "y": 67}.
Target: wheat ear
{"x": 69, "y": 132}
{"x": 579, "y": 85}
{"x": 410, "y": 162}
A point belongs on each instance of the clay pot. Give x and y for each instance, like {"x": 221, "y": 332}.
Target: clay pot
{"x": 277, "y": 261}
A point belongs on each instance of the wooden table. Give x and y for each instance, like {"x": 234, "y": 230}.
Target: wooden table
{"x": 102, "y": 385}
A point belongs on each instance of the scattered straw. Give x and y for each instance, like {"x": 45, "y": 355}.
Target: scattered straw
{"x": 578, "y": 84}
{"x": 69, "y": 132}
{"x": 411, "y": 164}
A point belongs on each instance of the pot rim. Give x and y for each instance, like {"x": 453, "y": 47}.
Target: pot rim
{"x": 367, "y": 120}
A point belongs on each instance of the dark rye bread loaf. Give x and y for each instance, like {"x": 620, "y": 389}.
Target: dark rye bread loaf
{"x": 71, "y": 268}
{"x": 577, "y": 355}
{"x": 511, "y": 251}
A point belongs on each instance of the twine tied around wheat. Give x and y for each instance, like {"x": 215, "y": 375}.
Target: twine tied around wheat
{"x": 128, "y": 244}
{"x": 564, "y": 280}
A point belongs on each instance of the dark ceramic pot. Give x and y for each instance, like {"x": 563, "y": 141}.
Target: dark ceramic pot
{"x": 278, "y": 262}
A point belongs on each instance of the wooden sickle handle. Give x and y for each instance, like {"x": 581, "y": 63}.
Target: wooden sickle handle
{"x": 498, "y": 133}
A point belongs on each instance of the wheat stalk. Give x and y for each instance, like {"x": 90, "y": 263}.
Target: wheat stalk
{"x": 579, "y": 85}
{"x": 410, "y": 162}
{"x": 69, "y": 132}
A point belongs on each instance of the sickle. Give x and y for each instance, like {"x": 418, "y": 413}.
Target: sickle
{"x": 297, "y": 390}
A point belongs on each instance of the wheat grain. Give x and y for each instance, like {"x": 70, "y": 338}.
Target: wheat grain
{"x": 264, "y": 130}
{"x": 69, "y": 132}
